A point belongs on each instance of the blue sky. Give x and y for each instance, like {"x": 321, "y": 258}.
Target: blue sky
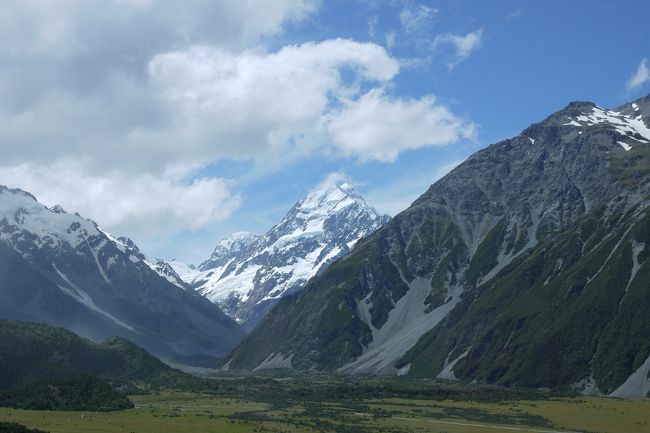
{"x": 179, "y": 128}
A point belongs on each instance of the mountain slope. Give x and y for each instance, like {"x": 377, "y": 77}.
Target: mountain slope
{"x": 247, "y": 273}
{"x": 62, "y": 269}
{"x": 528, "y": 256}
{"x": 31, "y": 352}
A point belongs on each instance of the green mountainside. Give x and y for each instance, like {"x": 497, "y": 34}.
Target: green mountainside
{"x": 524, "y": 266}
{"x": 87, "y": 393}
{"x": 32, "y": 352}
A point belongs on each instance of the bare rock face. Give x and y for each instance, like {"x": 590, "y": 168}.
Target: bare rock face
{"x": 520, "y": 267}
{"x": 64, "y": 270}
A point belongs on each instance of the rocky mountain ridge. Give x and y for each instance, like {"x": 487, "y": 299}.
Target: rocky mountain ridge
{"x": 519, "y": 267}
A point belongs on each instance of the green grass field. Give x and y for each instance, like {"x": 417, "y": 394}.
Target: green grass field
{"x": 170, "y": 412}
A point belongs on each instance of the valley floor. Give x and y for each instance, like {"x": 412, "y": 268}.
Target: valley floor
{"x": 170, "y": 412}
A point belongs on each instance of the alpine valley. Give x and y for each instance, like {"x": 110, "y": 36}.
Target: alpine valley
{"x": 524, "y": 266}
{"x": 247, "y": 274}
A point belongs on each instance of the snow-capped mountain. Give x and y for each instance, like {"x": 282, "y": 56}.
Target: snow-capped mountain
{"x": 247, "y": 273}
{"x": 64, "y": 270}
{"x": 160, "y": 267}
{"x": 229, "y": 248}
{"x": 185, "y": 272}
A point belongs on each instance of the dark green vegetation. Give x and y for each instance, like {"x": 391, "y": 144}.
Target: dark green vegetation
{"x": 31, "y": 352}
{"x": 12, "y": 427}
{"x": 280, "y": 390}
{"x": 89, "y": 393}
{"x": 53, "y": 369}
{"x": 587, "y": 310}
{"x": 535, "y": 250}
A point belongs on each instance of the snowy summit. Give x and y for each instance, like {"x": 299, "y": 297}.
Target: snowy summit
{"x": 248, "y": 273}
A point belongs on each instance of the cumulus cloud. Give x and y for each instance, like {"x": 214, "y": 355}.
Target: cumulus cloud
{"x": 640, "y": 77}
{"x": 69, "y": 28}
{"x": 463, "y": 45}
{"x": 120, "y": 93}
{"x": 378, "y": 127}
{"x": 79, "y": 70}
{"x": 137, "y": 205}
{"x": 253, "y": 104}
{"x": 135, "y": 84}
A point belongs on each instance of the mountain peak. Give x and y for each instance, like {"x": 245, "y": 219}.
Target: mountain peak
{"x": 248, "y": 273}
{"x": 229, "y": 247}
{"x": 57, "y": 208}
{"x": 235, "y": 240}
{"x": 329, "y": 198}
{"x": 581, "y": 105}
{"x": 16, "y": 191}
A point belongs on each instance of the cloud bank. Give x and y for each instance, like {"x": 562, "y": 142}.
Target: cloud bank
{"x": 127, "y": 98}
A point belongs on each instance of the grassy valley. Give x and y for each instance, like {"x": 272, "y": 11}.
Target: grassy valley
{"x": 327, "y": 404}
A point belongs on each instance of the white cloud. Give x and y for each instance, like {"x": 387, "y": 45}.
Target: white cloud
{"x": 334, "y": 178}
{"x": 198, "y": 104}
{"x": 254, "y": 104}
{"x": 138, "y": 205}
{"x": 390, "y": 40}
{"x": 416, "y": 18}
{"x": 463, "y": 45}
{"x": 640, "y": 77}
{"x": 378, "y": 127}
{"x": 67, "y": 28}
{"x": 78, "y": 70}
{"x": 120, "y": 92}
{"x": 372, "y": 25}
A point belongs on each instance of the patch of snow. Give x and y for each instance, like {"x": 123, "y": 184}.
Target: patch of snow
{"x": 558, "y": 265}
{"x": 572, "y": 123}
{"x": 186, "y": 272}
{"x": 611, "y": 253}
{"x": 624, "y": 125}
{"x": 110, "y": 262}
{"x": 84, "y": 299}
{"x": 406, "y": 323}
{"x": 363, "y": 310}
{"x": 625, "y": 146}
{"x": 234, "y": 284}
{"x": 118, "y": 244}
{"x": 63, "y": 276}
{"x": 99, "y": 266}
{"x": 637, "y": 385}
{"x": 447, "y": 372}
{"x": 275, "y": 360}
{"x": 637, "y": 248}
{"x": 404, "y": 370}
